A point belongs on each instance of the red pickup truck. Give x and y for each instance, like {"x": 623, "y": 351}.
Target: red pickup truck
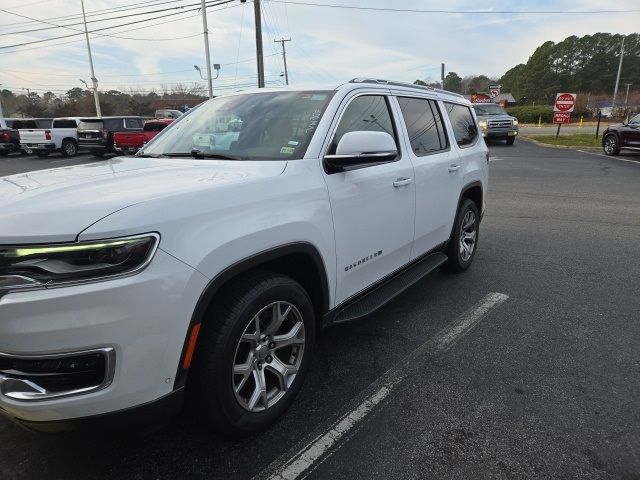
{"x": 131, "y": 142}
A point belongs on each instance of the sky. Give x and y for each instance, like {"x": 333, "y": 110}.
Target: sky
{"x": 328, "y": 45}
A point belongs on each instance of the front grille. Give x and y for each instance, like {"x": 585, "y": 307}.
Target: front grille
{"x": 50, "y": 376}
{"x": 500, "y": 124}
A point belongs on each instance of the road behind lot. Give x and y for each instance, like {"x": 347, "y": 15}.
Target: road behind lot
{"x": 544, "y": 386}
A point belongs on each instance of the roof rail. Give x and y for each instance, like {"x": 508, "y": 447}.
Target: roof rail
{"x": 393, "y": 83}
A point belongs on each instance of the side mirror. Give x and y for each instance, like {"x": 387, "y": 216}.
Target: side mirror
{"x": 358, "y": 149}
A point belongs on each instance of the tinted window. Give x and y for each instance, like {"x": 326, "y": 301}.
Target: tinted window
{"x": 154, "y": 126}
{"x": 368, "y": 112}
{"x": 44, "y": 122}
{"x": 90, "y": 124}
{"x": 424, "y": 125}
{"x": 133, "y": 123}
{"x": 30, "y": 124}
{"x": 113, "y": 124}
{"x": 464, "y": 127}
{"x": 63, "y": 123}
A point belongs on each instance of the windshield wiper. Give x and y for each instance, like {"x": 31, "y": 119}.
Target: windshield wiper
{"x": 150, "y": 155}
{"x": 199, "y": 154}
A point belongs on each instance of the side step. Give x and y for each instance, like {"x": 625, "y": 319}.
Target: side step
{"x": 388, "y": 289}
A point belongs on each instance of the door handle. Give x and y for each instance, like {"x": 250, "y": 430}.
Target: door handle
{"x": 454, "y": 168}
{"x": 402, "y": 181}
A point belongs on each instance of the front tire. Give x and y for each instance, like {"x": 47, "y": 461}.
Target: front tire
{"x": 511, "y": 140}
{"x": 253, "y": 353}
{"x": 610, "y": 145}
{"x": 464, "y": 239}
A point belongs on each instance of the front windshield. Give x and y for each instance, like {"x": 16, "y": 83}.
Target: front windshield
{"x": 635, "y": 120}
{"x": 489, "y": 109}
{"x": 252, "y": 126}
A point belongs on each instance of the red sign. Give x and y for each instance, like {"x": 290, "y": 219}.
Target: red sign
{"x": 480, "y": 98}
{"x": 560, "y": 117}
{"x": 565, "y": 102}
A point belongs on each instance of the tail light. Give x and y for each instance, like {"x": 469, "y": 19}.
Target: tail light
{"x": 105, "y": 134}
{"x": 6, "y": 136}
{"x": 47, "y": 134}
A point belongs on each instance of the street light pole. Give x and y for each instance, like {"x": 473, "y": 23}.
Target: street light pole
{"x": 93, "y": 75}
{"x": 1, "y": 114}
{"x": 284, "y": 57}
{"x": 626, "y": 98}
{"x": 258, "y": 19}
{"x": 206, "y": 47}
{"x": 615, "y": 90}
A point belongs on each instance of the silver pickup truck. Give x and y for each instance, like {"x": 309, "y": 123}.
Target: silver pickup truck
{"x": 495, "y": 122}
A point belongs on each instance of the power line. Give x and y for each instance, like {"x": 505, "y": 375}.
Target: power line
{"x": 470, "y": 12}
{"x": 94, "y": 31}
{"x": 95, "y": 13}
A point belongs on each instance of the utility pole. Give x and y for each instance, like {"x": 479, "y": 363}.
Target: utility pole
{"x": 205, "y": 31}
{"x": 93, "y": 75}
{"x": 284, "y": 57}
{"x": 626, "y": 99}
{"x": 615, "y": 91}
{"x": 442, "y": 76}
{"x": 257, "y": 13}
{"x": 1, "y": 114}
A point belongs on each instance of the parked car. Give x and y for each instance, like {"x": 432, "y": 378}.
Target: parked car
{"x": 166, "y": 113}
{"x": 61, "y": 136}
{"x": 204, "y": 266}
{"x": 496, "y": 123}
{"x": 10, "y": 135}
{"x": 131, "y": 142}
{"x": 622, "y": 136}
{"x": 96, "y": 134}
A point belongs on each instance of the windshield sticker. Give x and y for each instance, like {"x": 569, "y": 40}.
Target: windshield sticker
{"x": 287, "y": 150}
{"x": 313, "y": 120}
{"x": 292, "y": 142}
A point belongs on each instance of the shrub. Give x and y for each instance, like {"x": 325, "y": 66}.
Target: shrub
{"x": 530, "y": 114}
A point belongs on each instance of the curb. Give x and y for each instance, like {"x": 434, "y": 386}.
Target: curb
{"x": 570, "y": 147}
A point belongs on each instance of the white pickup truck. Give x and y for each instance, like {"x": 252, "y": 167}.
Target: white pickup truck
{"x": 61, "y": 137}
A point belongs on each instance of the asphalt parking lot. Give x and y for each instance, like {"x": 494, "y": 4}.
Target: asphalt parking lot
{"x": 541, "y": 383}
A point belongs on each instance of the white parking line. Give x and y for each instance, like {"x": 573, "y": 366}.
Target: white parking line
{"x": 312, "y": 454}
{"x": 610, "y": 157}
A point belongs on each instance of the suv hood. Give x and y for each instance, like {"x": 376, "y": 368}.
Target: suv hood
{"x": 494, "y": 117}
{"x": 56, "y": 205}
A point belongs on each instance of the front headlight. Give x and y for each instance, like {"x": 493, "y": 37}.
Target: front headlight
{"x": 29, "y": 266}
{"x": 515, "y": 122}
{"x": 483, "y": 124}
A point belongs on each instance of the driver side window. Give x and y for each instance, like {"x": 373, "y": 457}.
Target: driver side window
{"x": 364, "y": 113}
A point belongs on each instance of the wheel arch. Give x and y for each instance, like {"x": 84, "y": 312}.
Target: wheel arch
{"x": 474, "y": 192}
{"x": 300, "y": 260}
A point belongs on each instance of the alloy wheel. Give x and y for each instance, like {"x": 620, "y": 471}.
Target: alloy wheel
{"x": 268, "y": 356}
{"x": 610, "y": 145}
{"x": 468, "y": 235}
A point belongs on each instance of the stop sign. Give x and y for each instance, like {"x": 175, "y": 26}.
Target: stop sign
{"x": 565, "y": 102}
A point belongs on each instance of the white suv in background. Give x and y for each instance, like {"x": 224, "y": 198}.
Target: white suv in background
{"x": 203, "y": 267}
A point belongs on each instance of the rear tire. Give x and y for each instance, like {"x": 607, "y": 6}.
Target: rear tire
{"x": 233, "y": 360}
{"x": 69, "y": 148}
{"x": 463, "y": 243}
{"x": 511, "y": 140}
{"x": 610, "y": 145}
{"x": 42, "y": 154}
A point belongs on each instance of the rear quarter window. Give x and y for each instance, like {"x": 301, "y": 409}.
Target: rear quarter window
{"x": 90, "y": 125}
{"x": 132, "y": 123}
{"x": 465, "y": 129}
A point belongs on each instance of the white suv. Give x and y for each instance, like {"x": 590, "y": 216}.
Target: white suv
{"x": 203, "y": 267}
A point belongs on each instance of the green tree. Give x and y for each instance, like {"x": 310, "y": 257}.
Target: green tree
{"x": 453, "y": 82}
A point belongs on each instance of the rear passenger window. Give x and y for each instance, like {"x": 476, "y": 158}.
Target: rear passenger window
{"x": 424, "y": 125}
{"x": 364, "y": 113}
{"x": 132, "y": 123}
{"x": 64, "y": 123}
{"x": 464, "y": 127}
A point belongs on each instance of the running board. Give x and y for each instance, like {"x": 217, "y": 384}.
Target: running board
{"x": 386, "y": 291}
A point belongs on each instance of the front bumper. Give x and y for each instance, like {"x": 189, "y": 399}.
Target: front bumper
{"x": 142, "y": 318}
{"x": 500, "y": 133}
